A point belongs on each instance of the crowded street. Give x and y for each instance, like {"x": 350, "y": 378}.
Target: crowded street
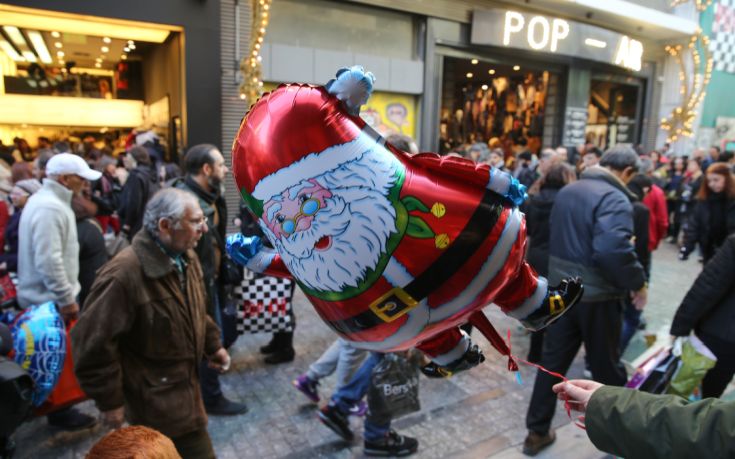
{"x": 360, "y": 228}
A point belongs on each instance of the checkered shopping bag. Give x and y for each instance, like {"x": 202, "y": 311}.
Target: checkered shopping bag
{"x": 265, "y": 304}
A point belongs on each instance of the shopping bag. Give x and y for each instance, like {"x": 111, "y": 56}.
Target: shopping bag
{"x": 660, "y": 378}
{"x": 67, "y": 391}
{"x": 696, "y": 360}
{"x": 8, "y": 294}
{"x": 115, "y": 244}
{"x": 644, "y": 369}
{"x": 394, "y": 389}
{"x": 265, "y": 304}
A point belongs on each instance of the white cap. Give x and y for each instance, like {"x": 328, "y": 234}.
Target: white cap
{"x": 67, "y": 163}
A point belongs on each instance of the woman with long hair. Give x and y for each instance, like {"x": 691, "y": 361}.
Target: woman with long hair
{"x": 713, "y": 216}
{"x": 539, "y": 231}
{"x": 673, "y": 190}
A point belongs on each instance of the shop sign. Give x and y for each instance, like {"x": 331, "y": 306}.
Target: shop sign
{"x": 514, "y": 29}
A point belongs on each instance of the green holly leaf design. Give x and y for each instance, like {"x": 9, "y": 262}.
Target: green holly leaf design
{"x": 413, "y": 203}
{"x": 418, "y": 228}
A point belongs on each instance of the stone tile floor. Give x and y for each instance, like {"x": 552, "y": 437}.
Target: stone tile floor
{"x": 475, "y": 414}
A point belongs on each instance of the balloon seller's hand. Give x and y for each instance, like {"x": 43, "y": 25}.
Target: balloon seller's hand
{"x": 577, "y": 392}
{"x": 114, "y": 419}
{"x": 69, "y": 312}
{"x": 220, "y": 360}
{"x": 243, "y": 248}
{"x": 640, "y": 298}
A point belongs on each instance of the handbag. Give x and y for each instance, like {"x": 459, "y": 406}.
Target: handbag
{"x": 696, "y": 361}
{"x": 265, "y": 304}
{"x": 394, "y": 389}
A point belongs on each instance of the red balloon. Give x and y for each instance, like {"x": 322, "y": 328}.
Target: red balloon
{"x": 393, "y": 250}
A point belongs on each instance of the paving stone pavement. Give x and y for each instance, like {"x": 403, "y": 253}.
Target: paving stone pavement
{"x": 477, "y": 414}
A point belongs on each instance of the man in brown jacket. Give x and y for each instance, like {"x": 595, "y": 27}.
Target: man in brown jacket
{"x": 145, "y": 329}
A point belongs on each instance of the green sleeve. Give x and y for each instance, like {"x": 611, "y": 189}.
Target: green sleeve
{"x": 634, "y": 424}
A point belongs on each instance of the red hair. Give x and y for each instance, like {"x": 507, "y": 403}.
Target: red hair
{"x": 724, "y": 170}
{"x": 134, "y": 442}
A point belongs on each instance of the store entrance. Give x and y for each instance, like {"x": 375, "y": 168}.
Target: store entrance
{"x": 510, "y": 106}
{"x": 614, "y": 111}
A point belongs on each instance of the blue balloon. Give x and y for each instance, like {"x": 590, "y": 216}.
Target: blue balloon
{"x": 39, "y": 340}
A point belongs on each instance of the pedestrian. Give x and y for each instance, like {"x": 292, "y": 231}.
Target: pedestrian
{"x": 379, "y": 438}
{"x": 205, "y": 174}
{"x": 140, "y": 186}
{"x": 713, "y": 156}
{"x": 48, "y": 252}
{"x": 674, "y": 190}
{"x": 539, "y": 231}
{"x": 92, "y": 250}
{"x": 18, "y": 197}
{"x": 145, "y": 328}
{"x": 634, "y": 424}
{"x": 21, "y": 171}
{"x": 708, "y": 309}
{"x": 655, "y": 200}
{"x": 106, "y": 194}
{"x": 39, "y": 164}
{"x": 590, "y": 158}
{"x": 713, "y": 216}
{"x": 592, "y": 228}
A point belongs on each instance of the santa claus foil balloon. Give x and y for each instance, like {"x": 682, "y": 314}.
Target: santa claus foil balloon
{"x": 393, "y": 250}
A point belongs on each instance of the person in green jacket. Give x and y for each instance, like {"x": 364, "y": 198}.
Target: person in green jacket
{"x": 633, "y": 424}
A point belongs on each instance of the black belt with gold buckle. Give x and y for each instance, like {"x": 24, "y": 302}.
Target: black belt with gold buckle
{"x": 398, "y": 301}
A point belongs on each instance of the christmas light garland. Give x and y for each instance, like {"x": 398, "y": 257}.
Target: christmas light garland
{"x": 251, "y": 65}
{"x": 700, "y": 4}
{"x": 681, "y": 121}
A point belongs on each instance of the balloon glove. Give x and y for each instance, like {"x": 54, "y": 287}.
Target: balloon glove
{"x": 471, "y": 358}
{"x": 352, "y": 86}
{"x": 243, "y": 248}
{"x": 517, "y": 192}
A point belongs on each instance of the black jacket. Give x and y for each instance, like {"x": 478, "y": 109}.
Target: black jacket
{"x": 537, "y": 224}
{"x": 141, "y": 185}
{"x": 106, "y": 194}
{"x": 592, "y": 230}
{"x": 709, "y": 305}
{"x": 92, "y": 254}
{"x": 699, "y": 231}
{"x": 211, "y": 247}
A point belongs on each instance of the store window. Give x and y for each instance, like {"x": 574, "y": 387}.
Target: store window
{"x": 612, "y": 113}
{"x": 504, "y": 105}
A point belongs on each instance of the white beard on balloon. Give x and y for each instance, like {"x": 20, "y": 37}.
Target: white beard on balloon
{"x": 349, "y": 233}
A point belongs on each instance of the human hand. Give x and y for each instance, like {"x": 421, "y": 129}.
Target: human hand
{"x": 640, "y": 298}
{"x": 114, "y": 419}
{"x": 69, "y": 312}
{"x": 243, "y": 248}
{"x": 220, "y": 360}
{"x": 577, "y": 392}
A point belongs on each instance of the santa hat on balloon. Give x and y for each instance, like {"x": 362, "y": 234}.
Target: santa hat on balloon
{"x": 297, "y": 132}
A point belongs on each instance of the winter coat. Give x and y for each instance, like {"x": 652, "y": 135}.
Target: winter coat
{"x": 10, "y": 254}
{"x": 632, "y": 424}
{"x": 699, "y": 230}
{"x": 709, "y": 305}
{"x": 92, "y": 254}
{"x": 142, "y": 334}
{"x": 592, "y": 230}
{"x": 106, "y": 194}
{"x": 141, "y": 185}
{"x": 211, "y": 247}
{"x": 537, "y": 226}
{"x": 48, "y": 249}
{"x": 658, "y": 223}
{"x": 641, "y": 218}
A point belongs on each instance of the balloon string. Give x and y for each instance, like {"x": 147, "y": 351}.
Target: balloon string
{"x": 567, "y": 406}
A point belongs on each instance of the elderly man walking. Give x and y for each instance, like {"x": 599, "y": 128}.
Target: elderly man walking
{"x": 145, "y": 328}
{"x": 48, "y": 252}
{"x": 592, "y": 229}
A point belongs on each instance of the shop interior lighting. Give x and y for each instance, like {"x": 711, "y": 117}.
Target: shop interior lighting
{"x": 40, "y": 46}
{"x": 470, "y": 75}
{"x": 58, "y": 44}
{"x": 10, "y": 51}
{"x": 484, "y": 87}
{"x": 474, "y": 61}
{"x": 104, "y": 49}
{"x": 60, "y": 54}
{"x": 126, "y": 49}
{"x": 15, "y": 36}
{"x": 98, "y": 65}
{"x": 107, "y": 40}
{"x": 55, "y": 34}
{"x": 516, "y": 67}
{"x": 595, "y": 43}
{"x": 29, "y": 56}
{"x": 491, "y": 71}
{"x": 131, "y": 45}
{"x": 123, "y": 56}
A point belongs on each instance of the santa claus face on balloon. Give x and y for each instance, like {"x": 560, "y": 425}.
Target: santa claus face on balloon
{"x": 332, "y": 229}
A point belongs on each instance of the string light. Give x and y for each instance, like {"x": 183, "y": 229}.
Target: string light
{"x": 681, "y": 121}
{"x": 700, "y": 4}
{"x": 252, "y": 84}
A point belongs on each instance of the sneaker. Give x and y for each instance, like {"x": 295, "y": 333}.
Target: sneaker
{"x": 337, "y": 421}
{"x": 534, "y": 442}
{"x": 70, "y": 419}
{"x": 392, "y": 444}
{"x": 307, "y": 386}
{"x": 359, "y": 409}
{"x": 225, "y": 407}
{"x": 558, "y": 300}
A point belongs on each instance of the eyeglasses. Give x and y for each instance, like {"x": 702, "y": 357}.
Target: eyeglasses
{"x": 308, "y": 208}
{"x": 198, "y": 223}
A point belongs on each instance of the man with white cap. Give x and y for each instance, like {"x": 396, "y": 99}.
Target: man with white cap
{"x": 48, "y": 251}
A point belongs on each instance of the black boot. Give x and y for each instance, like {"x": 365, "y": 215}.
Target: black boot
{"x": 558, "y": 300}
{"x": 282, "y": 348}
{"x": 471, "y": 358}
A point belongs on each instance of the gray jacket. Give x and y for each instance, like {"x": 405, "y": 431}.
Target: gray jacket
{"x": 48, "y": 249}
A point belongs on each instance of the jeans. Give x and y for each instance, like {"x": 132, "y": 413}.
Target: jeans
{"x": 355, "y": 390}
{"x": 341, "y": 357}
{"x": 631, "y": 320}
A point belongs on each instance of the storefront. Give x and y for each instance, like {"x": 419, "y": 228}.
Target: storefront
{"x": 527, "y": 81}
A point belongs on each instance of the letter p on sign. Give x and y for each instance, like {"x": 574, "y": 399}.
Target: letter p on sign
{"x": 513, "y": 24}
